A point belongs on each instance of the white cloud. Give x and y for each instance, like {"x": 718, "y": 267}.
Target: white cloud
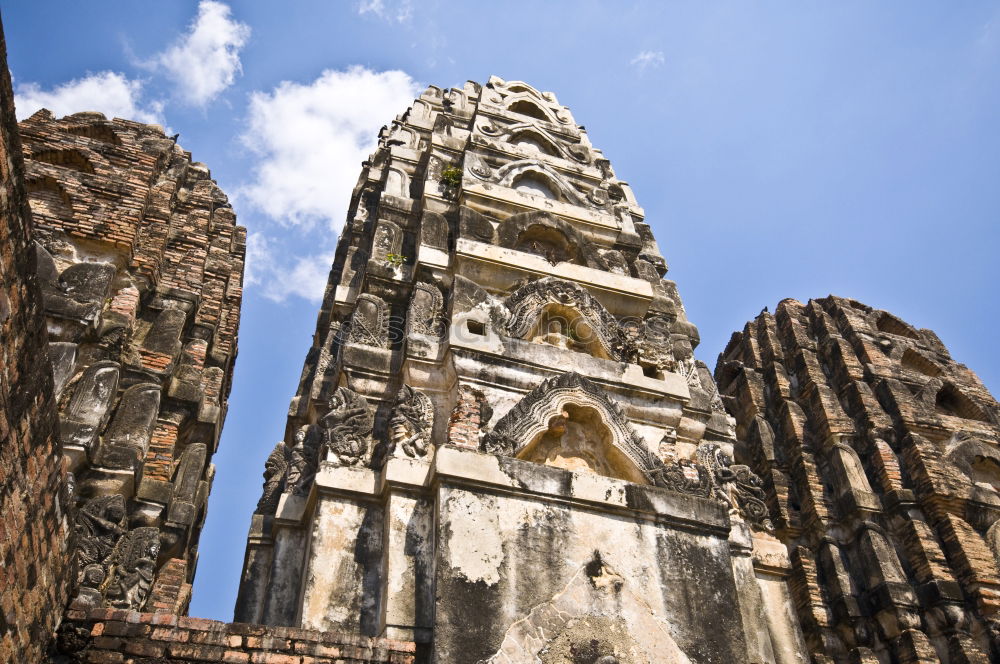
{"x": 109, "y": 92}
{"x": 399, "y": 12}
{"x": 310, "y": 139}
{"x": 646, "y": 59}
{"x": 304, "y": 277}
{"x": 206, "y": 60}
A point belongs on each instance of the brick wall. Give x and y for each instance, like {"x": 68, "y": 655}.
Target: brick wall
{"x": 107, "y": 636}
{"x": 35, "y": 566}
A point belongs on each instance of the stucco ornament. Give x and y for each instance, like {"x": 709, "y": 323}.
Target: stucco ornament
{"x": 275, "y": 471}
{"x": 100, "y": 524}
{"x": 424, "y": 314}
{"x": 527, "y": 304}
{"x": 135, "y": 565}
{"x": 530, "y": 417}
{"x": 411, "y": 423}
{"x": 369, "y": 325}
{"x": 349, "y": 428}
{"x": 736, "y": 485}
{"x": 303, "y": 460}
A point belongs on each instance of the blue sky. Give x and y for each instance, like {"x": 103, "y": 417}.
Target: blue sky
{"x": 779, "y": 149}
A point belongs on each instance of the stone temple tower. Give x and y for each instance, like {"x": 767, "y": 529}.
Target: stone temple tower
{"x": 501, "y": 446}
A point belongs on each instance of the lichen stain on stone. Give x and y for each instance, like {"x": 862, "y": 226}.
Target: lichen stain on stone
{"x": 474, "y": 543}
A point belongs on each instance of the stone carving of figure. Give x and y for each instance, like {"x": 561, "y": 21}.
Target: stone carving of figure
{"x": 91, "y": 579}
{"x": 555, "y": 334}
{"x": 275, "y": 471}
{"x": 100, "y": 524}
{"x": 303, "y": 460}
{"x": 135, "y": 565}
{"x": 411, "y": 423}
{"x": 349, "y": 428}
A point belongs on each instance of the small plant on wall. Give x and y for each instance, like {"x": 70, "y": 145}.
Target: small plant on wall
{"x": 395, "y": 260}
{"x": 452, "y": 176}
{"x": 451, "y": 181}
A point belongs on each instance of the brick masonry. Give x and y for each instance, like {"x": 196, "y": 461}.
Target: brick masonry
{"x": 879, "y": 454}
{"x": 140, "y": 263}
{"x": 107, "y": 636}
{"x": 35, "y": 562}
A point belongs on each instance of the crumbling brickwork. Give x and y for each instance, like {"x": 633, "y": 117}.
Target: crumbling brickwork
{"x": 108, "y": 636}
{"x": 35, "y": 560}
{"x": 140, "y": 264}
{"x": 879, "y": 456}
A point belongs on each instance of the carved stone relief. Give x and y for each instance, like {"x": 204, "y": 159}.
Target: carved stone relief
{"x": 411, "y": 423}
{"x": 348, "y": 427}
{"x": 275, "y": 470}
{"x": 583, "y": 323}
{"x": 134, "y": 567}
{"x": 127, "y": 438}
{"x": 303, "y": 459}
{"x": 424, "y": 313}
{"x": 87, "y": 411}
{"x": 369, "y": 324}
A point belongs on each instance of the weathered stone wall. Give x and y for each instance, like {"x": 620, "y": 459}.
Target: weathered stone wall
{"x": 497, "y": 296}
{"x": 109, "y": 636}
{"x": 879, "y": 456}
{"x": 35, "y": 562}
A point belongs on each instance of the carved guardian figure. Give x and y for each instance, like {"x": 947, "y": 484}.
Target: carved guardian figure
{"x": 411, "y": 423}
{"x": 275, "y": 472}
{"x": 348, "y": 428}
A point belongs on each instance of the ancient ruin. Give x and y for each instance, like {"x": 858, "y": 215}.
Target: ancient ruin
{"x": 880, "y": 461}
{"x": 502, "y": 448}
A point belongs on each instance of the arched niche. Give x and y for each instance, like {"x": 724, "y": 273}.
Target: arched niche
{"x": 578, "y": 439}
{"x": 544, "y": 234}
{"x": 888, "y": 323}
{"x": 952, "y": 402}
{"x": 97, "y": 132}
{"x": 543, "y": 176}
{"x": 564, "y": 314}
{"x": 49, "y": 198}
{"x": 568, "y": 422}
{"x": 536, "y": 184}
{"x": 566, "y": 327}
{"x": 977, "y": 460}
{"x": 525, "y": 106}
{"x": 548, "y": 242}
{"x": 69, "y": 158}
{"x": 532, "y": 141}
{"x": 914, "y": 361}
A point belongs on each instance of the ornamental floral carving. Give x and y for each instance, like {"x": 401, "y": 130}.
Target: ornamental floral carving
{"x": 736, "y": 485}
{"x": 369, "y": 324}
{"x": 424, "y": 314}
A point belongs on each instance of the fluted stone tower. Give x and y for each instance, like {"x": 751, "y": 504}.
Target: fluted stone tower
{"x": 501, "y": 446}
{"x": 880, "y": 456}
